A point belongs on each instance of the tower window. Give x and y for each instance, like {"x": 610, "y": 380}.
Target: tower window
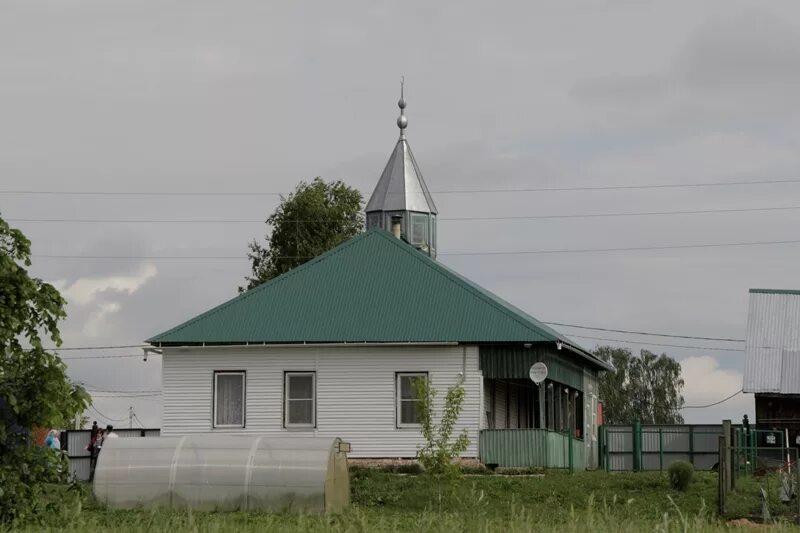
{"x": 373, "y": 220}
{"x": 419, "y": 229}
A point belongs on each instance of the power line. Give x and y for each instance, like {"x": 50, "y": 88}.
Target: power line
{"x": 460, "y": 219}
{"x": 142, "y": 398}
{"x": 59, "y": 349}
{"x": 560, "y": 324}
{"x": 92, "y": 407}
{"x": 623, "y": 249}
{"x": 672, "y": 336}
{"x": 568, "y": 335}
{"x": 75, "y": 358}
{"x": 153, "y": 391}
{"x": 627, "y": 214}
{"x": 123, "y": 396}
{"x": 658, "y": 344}
{"x": 453, "y": 254}
{"x": 136, "y": 417}
{"x": 712, "y": 404}
{"x": 443, "y": 191}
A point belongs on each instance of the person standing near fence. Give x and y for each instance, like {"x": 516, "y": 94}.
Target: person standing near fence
{"x": 52, "y": 441}
{"x": 94, "y": 449}
{"x": 108, "y": 433}
{"x": 93, "y": 434}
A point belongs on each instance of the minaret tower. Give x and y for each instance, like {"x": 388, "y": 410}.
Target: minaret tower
{"x": 401, "y": 195}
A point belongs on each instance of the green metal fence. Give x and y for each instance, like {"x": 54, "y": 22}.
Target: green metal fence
{"x": 761, "y": 482}
{"x": 654, "y": 447}
{"x": 757, "y": 451}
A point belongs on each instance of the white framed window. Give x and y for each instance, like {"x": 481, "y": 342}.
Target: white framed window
{"x": 299, "y": 392}
{"x": 407, "y": 401}
{"x": 229, "y": 398}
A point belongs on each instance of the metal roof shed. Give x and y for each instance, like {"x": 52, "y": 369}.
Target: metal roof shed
{"x": 772, "y": 349}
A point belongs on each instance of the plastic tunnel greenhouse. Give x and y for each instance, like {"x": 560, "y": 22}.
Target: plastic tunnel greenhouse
{"x": 224, "y": 473}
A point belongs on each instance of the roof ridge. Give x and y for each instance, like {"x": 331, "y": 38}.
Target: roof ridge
{"x": 286, "y": 275}
{"x": 775, "y": 291}
{"x": 466, "y": 284}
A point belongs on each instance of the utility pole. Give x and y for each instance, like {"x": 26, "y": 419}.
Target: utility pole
{"x": 130, "y": 417}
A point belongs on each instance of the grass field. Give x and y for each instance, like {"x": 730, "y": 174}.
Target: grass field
{"x": 587, "y": 501}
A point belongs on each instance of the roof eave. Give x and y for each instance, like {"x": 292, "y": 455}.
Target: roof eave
{"x": 193, "y": 345}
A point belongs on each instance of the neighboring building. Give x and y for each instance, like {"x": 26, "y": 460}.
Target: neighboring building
{"x": 332, "y": 349}
{"x": 772, "y": 359}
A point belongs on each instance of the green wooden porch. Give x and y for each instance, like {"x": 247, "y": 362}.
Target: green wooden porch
{"x": 531, "y": 448}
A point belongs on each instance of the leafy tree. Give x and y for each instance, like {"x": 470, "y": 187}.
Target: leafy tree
{"x": 316, "y": 217}
{"x": 34, "y": 388}
{"x": 648, "y": 387}
{"x": 439, "y": 450}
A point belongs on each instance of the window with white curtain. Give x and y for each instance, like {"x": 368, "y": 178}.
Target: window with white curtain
{"x": 300, "y": 399}
{"x": 229, "y": 394}
{"x": 407, "y": 402}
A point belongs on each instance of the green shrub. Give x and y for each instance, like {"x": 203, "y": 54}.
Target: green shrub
{"x": 680, "y": 475}
{"x": 475, "y": 469}
{"x": 403, "y": 468}
{"x": 411, "y": 467}
{"x": 518, "y": 471}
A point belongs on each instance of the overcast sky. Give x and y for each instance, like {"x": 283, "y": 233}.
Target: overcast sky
{"x": 256, "y": 96}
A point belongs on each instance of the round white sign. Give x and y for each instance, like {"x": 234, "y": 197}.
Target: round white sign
{"x": 538, "y": 372}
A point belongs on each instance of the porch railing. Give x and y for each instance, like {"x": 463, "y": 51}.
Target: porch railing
{"x": 531, "y": 448}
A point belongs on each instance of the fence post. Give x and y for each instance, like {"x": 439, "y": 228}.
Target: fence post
{"x": 797, "y": 487}
{"x": 660, "y": 448}
{"x": 726, "y": 433}
{"x": 691, "y": 444}
{"x": 722, "y": 480}
{"x": 637, "y": 445}
{"x": 600, "y": 454}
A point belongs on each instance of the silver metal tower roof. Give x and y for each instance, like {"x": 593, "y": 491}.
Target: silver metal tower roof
{"x": 401, "y": 187}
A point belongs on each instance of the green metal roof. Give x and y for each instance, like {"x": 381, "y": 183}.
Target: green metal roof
{"x": 775, "y": 291}
{"x": 372, "y": 288}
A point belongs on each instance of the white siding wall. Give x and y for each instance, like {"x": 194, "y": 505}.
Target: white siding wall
{"x": 486, "y": 402}
{"x": 355, "y": 391}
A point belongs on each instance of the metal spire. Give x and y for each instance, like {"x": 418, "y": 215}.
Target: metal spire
{"x": 401, "y": 187}
{"x": 402, "y": 121}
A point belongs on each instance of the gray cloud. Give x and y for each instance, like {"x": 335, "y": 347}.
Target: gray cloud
{"x": 751, "y": 48}
{"x": 255, "y": 97}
